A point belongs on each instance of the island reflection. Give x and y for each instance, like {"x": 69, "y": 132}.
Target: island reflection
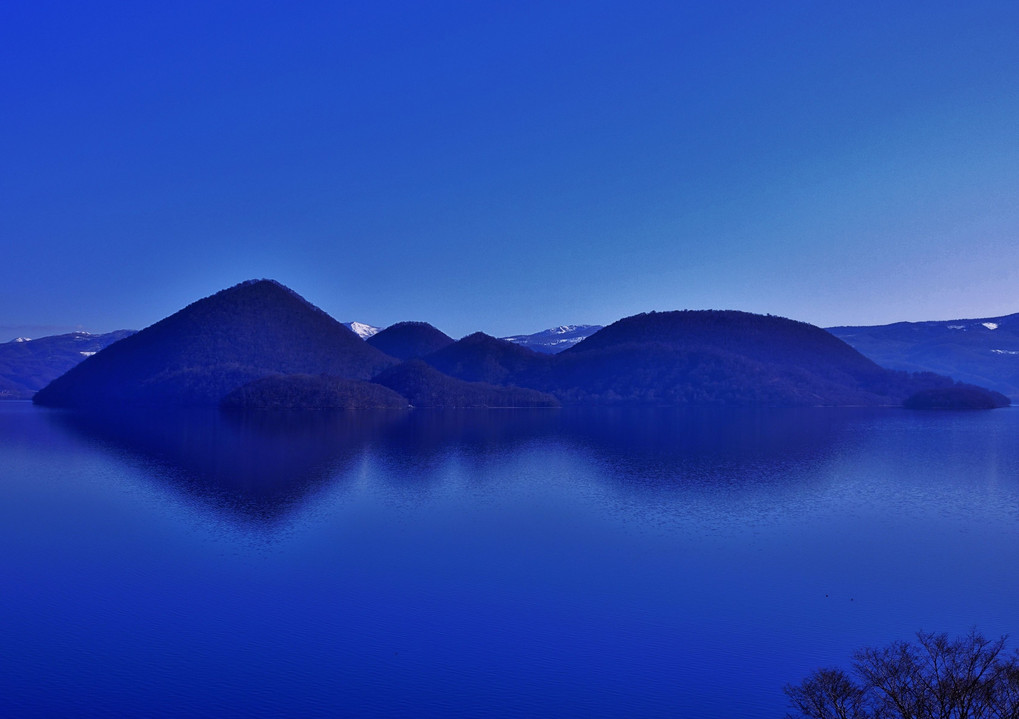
{"x": 257, "y": 467}
{"x": 253, "y": 467}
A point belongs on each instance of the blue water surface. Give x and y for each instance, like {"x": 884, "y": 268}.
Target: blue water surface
{"x": 637, "y": 563}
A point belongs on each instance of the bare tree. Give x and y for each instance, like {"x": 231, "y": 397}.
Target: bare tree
{"x": 969, "y": 677}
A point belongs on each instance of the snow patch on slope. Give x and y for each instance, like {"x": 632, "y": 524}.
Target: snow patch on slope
{"x": 555, "y": 339}
{"x": 361, "y": 329}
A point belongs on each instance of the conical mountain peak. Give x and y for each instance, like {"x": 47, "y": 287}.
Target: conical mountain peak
{"x": 199, "y": 354}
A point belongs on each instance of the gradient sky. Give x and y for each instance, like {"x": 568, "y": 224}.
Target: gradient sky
{"x": 509, "y": 166}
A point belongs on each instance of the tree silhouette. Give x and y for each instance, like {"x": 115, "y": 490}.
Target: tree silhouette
{"x": 968, "y": 677}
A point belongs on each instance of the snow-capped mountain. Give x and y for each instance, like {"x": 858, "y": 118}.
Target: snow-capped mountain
{"x": 555, "y": 339}
{"x": 361, "y": 329}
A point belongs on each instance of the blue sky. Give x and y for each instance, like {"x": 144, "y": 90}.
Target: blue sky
{"x": 509, "y": 166}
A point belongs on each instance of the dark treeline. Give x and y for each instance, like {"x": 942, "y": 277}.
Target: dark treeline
{"x": 302, "y": 391}
{"x": 425, "y": 386}
{"x": 959, "y": 396}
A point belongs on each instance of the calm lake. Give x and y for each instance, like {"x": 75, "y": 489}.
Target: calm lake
{"x": 490, "y": 563}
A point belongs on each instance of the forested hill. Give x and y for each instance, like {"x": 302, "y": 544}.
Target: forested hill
{"x": 261, "y": 329}
{"x": 425, "y": 386}
{"x": 199, "y": 354}
{"x": 692, "y": 358}
{"x": 483, "y": 358}
{"x": 765, "y": 337}
{"x": 406, "y": 340}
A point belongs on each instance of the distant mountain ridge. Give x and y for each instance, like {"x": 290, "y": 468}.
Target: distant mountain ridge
{"x": 982, "y": 351}
{"x": 28, "y": 365}
{"x": 555, "y": 339}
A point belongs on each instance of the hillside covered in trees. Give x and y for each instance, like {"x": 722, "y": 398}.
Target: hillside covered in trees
{"x": 303, "y": 391}
{"x": 960, "y": 396}
{"x": 199, "y": 354}
{"x": 406, "y": 340}
{"x": 692, "y": 358}
{"x": 259, "y": 344}
{"x": 425, "y": 386}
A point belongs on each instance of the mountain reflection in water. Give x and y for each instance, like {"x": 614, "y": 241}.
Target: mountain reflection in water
{"x": 597, "y": 563}
{"x": 252, "y": 466}
{"x": 257, "y": 466}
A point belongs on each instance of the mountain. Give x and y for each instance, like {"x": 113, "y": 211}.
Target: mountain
{"x": 483, "y": 358}
{"x": 26, "y": 366}
{"x": 979, "y": 351}
{"x": 261, "y": 330}
{"x": 425, "y": 386}
{"x": 691, "y": 358}
{"x": 726, "y": 357}
{"x": 406, "y": 340}
{"x": 199, "y": 354}
{"x": 361, "y": 329}
{"x": 556, "y": 339}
